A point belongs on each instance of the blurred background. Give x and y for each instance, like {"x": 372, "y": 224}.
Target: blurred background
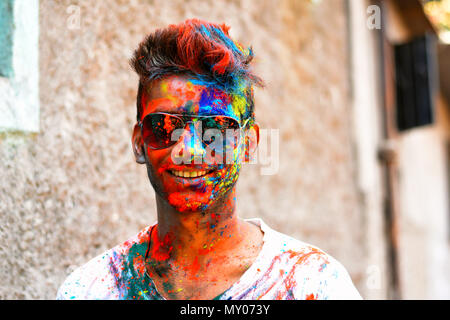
{"x": 359, "y": 91}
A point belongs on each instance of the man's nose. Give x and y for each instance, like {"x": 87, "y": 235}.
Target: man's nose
{"x": 191, "y": 143}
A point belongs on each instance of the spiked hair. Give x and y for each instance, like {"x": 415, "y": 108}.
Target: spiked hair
{"x": 199, "y": 49}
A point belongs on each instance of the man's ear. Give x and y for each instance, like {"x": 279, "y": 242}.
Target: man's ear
{"x": 251, "y": 141}
{"x": 138, "y": 144}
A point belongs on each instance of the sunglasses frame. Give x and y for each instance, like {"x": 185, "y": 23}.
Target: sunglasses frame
{"x": 183, "y": 118}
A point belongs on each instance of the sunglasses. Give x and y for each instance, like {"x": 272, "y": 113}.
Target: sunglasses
{"x": 158, "y": 129}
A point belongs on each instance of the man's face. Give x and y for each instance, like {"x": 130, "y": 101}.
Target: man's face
{"x": 215, "y": 179}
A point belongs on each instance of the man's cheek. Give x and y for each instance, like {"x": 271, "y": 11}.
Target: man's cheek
{"x": 157, "y": 162}
{"x": 225, "y": 180}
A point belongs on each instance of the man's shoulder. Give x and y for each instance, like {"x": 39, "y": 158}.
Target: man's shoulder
{"x": 280, "y": 243}
{"x": 99, "y": 277}
{"x": 297, "y": 253}
{"x": 92, "y": 280}
{"x": 316, "y": 273}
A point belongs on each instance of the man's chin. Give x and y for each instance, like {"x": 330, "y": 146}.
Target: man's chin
{"x": 188, "y": 202}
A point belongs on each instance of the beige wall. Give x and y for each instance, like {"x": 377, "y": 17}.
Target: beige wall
{"x": 73, "y": 190}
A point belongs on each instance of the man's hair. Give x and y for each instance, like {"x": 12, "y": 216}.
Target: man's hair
{"x": 203, "y": 51}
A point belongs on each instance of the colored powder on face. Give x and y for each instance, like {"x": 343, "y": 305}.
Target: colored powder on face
{"x": 180, "y": 202}
{"x": 214, "y": 100}
{"x": 190, "y": 108}
{"x": 152, "y": 104}
{"x": 164, "y": 87}
{"x": 234, "y": 99}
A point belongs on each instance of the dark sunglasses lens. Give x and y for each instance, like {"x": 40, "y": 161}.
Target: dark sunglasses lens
{"x": 224, "y": 128}
{"x": 157, "y": 130}
{"x": 221, "y": 123}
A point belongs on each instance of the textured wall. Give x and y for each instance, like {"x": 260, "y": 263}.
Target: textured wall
{"x": 73, "y": 190}
{"x": 424, "y": 259}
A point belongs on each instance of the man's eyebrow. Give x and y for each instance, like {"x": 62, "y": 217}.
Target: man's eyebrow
{"x": 163, "y": 108}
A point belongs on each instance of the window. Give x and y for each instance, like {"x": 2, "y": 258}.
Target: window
{"x": 19, "y": 65}
{"x": 415, "y": 73}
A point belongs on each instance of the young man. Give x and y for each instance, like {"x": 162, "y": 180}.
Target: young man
{"x": 195, "y": 127}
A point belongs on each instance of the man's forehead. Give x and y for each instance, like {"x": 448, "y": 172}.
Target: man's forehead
{"x": 173, "y": 84}
{"x": 182, "y": 86}
{"x": 180, "y": 94}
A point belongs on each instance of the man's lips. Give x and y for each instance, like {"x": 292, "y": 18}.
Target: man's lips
{"x": 190, "y": 174}
{"x": 188, "y": 171}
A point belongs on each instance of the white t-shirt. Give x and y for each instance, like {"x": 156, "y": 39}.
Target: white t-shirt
{"x": 284, "y": 269}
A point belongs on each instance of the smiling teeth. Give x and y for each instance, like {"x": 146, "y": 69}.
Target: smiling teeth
{"x": 189, "y": 174}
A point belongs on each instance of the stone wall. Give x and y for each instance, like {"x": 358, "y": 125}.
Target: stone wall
{"x": 73, "y": 190}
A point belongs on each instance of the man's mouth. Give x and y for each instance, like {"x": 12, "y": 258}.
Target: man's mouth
{"x": 190, "y": 174}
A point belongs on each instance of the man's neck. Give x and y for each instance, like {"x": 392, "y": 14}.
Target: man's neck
{"x": 198, "y": 255}
{"x": 185, "y": 236}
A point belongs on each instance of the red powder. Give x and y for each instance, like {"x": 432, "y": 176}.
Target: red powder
{"x": 190, "y": 95}
{"x": 179, "y": 201}
{"x": 311, "y": 296}
{"x": 289, "y": 282}
{"x": 152, "y": 104}
{"x": 195, "y": 267}
{"x": 162, "y": 249}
